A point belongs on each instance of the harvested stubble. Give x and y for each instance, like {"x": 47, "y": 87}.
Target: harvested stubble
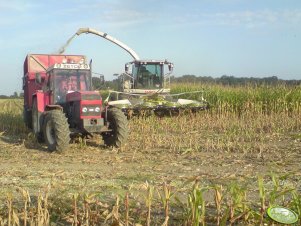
{"x": 227, "y": 206}
{"x": 213, "y": 133}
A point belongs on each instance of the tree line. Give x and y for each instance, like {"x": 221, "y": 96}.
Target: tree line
{"x": 234, "y": 81}
{"x": 223, "y": 80}
{"x": 13, "y": 96}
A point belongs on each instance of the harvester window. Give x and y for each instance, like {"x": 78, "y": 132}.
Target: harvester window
{"x": 148, "y": 76}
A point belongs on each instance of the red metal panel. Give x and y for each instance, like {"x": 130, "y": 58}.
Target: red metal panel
{"x": 39, "y": 63}
{"x": 68, "y": 58}
{"x": 42, "y": 100}
{"x": 90, "y": 117}
{"x": 90, "y": 102}
{"x": 77, "y": 95}
{"x": 74, "y": 96}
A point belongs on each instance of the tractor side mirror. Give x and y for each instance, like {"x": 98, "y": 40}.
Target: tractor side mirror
{"x": 126, "y": 68}
{"x": 170, "y": 67}
{"x": 38, "y": 78}
{"x": 102, "y": 79}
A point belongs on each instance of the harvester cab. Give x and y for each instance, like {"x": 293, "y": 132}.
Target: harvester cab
{"x": 144, "y": 88}
{"x": 59, "y": 102}
{"x": 146, "y": 76}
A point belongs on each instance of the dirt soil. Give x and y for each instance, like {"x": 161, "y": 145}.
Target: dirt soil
{"x": 95, "y": 168}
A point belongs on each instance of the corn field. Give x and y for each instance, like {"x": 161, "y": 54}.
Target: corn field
{"x": 247, "y": 99}
{"x": 224, "y": 166}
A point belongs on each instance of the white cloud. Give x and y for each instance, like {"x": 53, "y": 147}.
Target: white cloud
{"x": 16, "y": 13}
{"x": 11, "y": 6}
{"x": 248, "y": 19}
{"x": 292, "y": 16}
{"x": 105, "y": 13}
{"x": 124, "y": 17}
{"x": 15, "y": 6}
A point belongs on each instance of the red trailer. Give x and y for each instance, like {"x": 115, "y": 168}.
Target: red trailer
{"x": 59, "y": 102}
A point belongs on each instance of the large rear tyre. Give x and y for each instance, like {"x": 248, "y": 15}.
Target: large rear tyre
{"x": 56, "y": 131}
{"x": 118, "y": 123}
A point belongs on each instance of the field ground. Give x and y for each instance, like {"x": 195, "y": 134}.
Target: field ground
{"x": 95, "y": 168}
{"x": 213, "y": 149}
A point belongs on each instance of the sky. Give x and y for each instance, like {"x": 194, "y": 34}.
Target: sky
{"x": 242, "y": 38}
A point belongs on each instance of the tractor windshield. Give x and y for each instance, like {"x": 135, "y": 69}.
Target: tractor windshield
{"x": 65, "y": 81}
{"x": 148, "y": 76}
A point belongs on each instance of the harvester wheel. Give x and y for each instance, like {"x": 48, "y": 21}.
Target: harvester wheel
{"x": 118, "y": 123}
{"x": 56, "y": 131}
{"x": 35, "y": 120}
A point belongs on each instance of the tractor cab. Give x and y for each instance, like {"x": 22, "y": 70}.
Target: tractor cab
{"x": 69, "y": 86}
{"x": 67, "y": 78}
{"x": 142, "y": 76}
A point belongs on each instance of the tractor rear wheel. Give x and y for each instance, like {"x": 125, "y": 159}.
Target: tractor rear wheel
{"x": 118, "y": 123}
{"x": 56, "y": 131}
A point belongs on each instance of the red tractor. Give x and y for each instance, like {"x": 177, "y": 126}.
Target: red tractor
{"x": 59, "y": 102}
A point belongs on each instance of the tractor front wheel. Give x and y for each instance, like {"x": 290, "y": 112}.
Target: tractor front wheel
{"x": 56, "y": 131}
{"x": 118, "y": 124}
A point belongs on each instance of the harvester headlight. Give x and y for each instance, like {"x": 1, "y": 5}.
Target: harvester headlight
{"x": 84, "y": 109}
{"x": 97, "y": 109}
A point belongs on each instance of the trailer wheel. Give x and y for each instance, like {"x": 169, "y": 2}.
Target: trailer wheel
{"x": 35, "y": 121}
{"x": 118, "y": 123}
{"x": 56, "y": 131}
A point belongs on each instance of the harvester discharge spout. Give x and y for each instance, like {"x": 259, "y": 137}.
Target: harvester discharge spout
{"x": 109, "y": 38}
